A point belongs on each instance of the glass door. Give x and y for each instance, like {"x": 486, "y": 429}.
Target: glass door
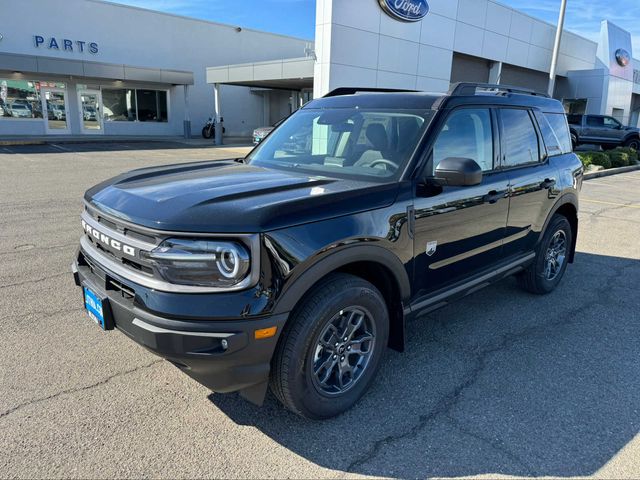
{"x": 90, "y": 102}
{"x": 54, "y": 103}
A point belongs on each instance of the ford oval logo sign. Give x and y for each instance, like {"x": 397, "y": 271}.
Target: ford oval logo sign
{"x": 623, "y": 57}
{"x": 405, "y": 10}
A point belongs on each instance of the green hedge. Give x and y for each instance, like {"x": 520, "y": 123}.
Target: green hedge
{"x": 595, "y": 158}
{"x": 619, "y": 157}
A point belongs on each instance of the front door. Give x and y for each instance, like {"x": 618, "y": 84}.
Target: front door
{"x": 459, "y": 230}
{"x": 55, "y": 110}
{"x": 90, "y": 105}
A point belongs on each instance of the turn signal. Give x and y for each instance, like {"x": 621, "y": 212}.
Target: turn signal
{"x": 266, "y": 333}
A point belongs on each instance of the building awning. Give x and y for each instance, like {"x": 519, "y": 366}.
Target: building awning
{"x": 287, "y": 74}
{"x": 80, "y": 68}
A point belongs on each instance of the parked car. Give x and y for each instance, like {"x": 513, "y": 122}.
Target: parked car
{"x": 89, "y": 113}
{"x": 602, "y": 130}
{"x": 298, "y": 267}
{"x": 20, "y": 110}
{"x": 57, "y": 112}
{"x": 259, "y": 134}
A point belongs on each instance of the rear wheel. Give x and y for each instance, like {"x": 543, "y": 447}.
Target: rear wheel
{"x": 552, "y": 257}
{"x": 332, "y": 348}
{"x": 207, "y": 132}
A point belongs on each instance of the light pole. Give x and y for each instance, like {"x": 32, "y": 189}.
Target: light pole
{"x": 556, "y": 48}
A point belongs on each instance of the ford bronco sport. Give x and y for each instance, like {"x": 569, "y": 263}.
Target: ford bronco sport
{"x": 297, "y": 266}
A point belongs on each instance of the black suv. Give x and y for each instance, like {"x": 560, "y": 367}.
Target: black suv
{"x": 297, "y": 266}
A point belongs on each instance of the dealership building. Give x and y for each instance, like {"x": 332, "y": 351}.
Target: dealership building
{"x": 87, "y": 67}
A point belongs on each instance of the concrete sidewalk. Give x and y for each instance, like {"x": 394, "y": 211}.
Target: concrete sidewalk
{"x": 72, "y": 139}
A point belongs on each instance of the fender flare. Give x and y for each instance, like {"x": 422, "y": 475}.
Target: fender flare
{"x": 632, "y": 135}
{"x": 325, "y": 264}
{"x": 568, "y": 198}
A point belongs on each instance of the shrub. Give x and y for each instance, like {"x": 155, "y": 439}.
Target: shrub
{"x": 595, "y": 158}
{"x": 619, "y": 158}
{"x": 585, "y": 158}
{"x": 633, "y": 154}
{"x": 602, "y": 159}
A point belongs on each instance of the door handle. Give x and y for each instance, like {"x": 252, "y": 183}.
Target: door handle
{"x": 548, "y": 183}
{"x": 492, "y": 197}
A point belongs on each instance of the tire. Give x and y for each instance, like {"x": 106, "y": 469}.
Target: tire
{"x": 633, "y": 143}
{"x": 308, "y": 342}
{"x": 541, "y": 277}
{"x": 574, "y": 141}
{"x": 207, "y": 132}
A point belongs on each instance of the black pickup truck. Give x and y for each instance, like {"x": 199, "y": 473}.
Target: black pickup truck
{"x": 297, "y": 266}
{"x": 602, "y": 130}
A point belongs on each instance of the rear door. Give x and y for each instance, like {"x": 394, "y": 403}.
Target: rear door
{"x": 459, "y": 230}
{"x": 532, "y": 178}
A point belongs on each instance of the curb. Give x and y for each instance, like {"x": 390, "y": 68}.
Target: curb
{"x": 14, "y": 143}
{"x": 611, "y": 171}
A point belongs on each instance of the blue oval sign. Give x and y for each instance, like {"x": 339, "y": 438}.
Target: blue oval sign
{"x": 623, "y": 57}
{"x": 405, "y": 10}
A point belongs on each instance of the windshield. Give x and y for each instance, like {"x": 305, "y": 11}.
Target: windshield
{"x": 376, "y": 144}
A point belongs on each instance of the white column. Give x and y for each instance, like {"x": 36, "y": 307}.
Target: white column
{"x": 187, "y": 113}
{"x": 217, "y": 113}
{"x": 556, "y": 48}
{"x": 495, "y": 73}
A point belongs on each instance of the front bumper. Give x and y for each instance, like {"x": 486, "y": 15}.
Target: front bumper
{"x": 223, "y": 355}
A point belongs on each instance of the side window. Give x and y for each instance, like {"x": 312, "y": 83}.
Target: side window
{"x": 559, "y": 125}
{"x": 519, "y": 137}
{"x": 597, "y": 122}
{"x": 550, "y": 138}
{"x": 467, "y": 133}
{"x": 610, "y": 122}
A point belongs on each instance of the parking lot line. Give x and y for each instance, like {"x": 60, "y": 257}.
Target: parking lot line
{"x": 608, "y": 203}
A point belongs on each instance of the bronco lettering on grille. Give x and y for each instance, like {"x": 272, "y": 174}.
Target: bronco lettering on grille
{"x": 108, "y": 241}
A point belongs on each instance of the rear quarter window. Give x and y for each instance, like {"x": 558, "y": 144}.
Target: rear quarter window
{"x": 558, "y": 123}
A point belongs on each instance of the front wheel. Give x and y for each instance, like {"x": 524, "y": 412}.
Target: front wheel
{"x": 633, "y": 143}
{"x": 552, "y": 257}
{"x": 332, "y": 347}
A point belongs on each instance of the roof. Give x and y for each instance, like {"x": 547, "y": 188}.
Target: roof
{"x": 425, "y": 100}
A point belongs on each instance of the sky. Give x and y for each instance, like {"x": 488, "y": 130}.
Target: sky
{"x": 297, "y": 17}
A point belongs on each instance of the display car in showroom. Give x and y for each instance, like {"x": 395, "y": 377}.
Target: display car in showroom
{"x": 298, "y": 266}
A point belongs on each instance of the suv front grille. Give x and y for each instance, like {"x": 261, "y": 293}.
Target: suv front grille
{"x": 118, "y": 242}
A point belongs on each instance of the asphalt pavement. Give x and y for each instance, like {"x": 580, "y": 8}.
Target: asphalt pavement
{"x": 501, "y": 383}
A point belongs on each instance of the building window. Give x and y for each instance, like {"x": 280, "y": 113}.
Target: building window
{"x": 119, "y": 105}
{"x": 20, "y": 99}
{"x": 130, "y": 105}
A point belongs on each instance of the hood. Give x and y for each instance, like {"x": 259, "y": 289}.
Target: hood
{"x": 230, "y": 197}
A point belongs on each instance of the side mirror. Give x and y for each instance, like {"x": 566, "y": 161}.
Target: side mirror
{"x": 458, "y": 172}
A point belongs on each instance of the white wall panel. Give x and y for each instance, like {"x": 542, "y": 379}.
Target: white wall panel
{"x": 435, "y": 62}
{"x": 473, "y": 12}
{"x": 438, "y": 31}
{"x": 350, "y": 46}
{"x": 494, "y": 46}
{"x": 468, "y": 39}
{"x": 498, "y": 18}
{"x": 397, "y": 55}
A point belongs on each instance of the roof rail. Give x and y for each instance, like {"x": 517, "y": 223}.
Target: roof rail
{"x": 470, "y": 89}
{"x": 338, "y": 92}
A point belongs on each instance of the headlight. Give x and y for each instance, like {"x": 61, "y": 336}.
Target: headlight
{"x": 201, "y": 263}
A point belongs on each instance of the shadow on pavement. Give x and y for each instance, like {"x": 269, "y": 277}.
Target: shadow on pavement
{"x": 503, "y": 382}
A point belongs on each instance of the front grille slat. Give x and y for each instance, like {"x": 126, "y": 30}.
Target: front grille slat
{"x": 108, "y": 230}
